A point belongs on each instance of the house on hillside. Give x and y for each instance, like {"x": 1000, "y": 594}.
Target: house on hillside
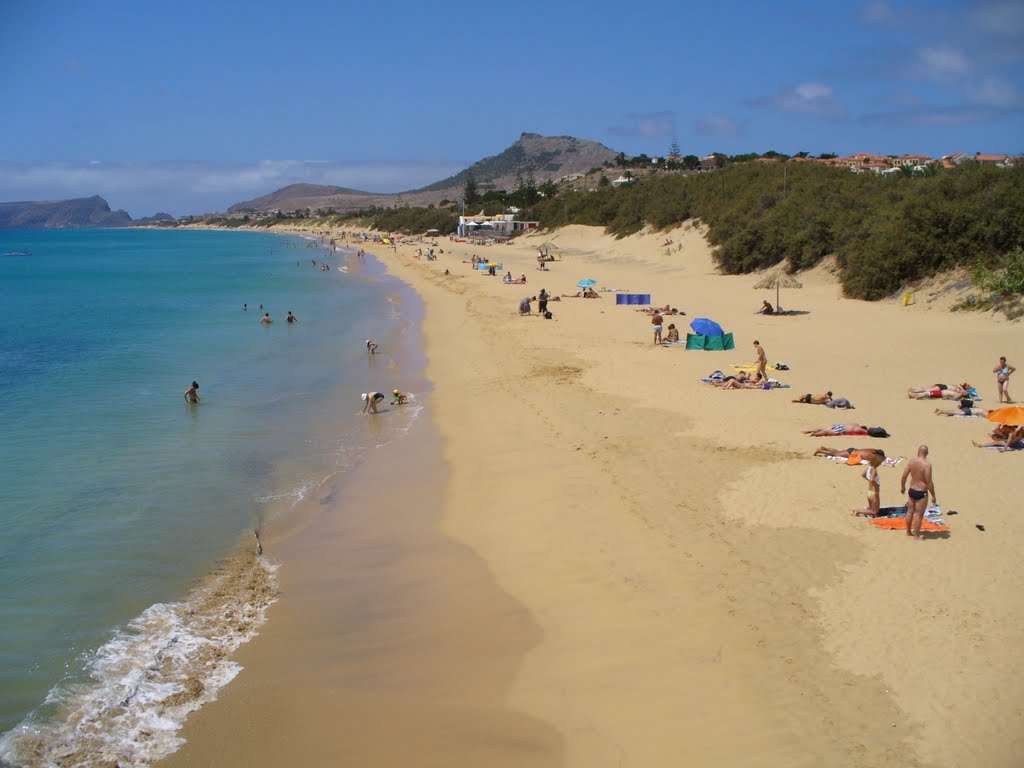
{"x": 910, "y": 161}
{"x": 875, "y": 166}
{"x": 1001, "y": 161}
{"x": 708, "y": 163}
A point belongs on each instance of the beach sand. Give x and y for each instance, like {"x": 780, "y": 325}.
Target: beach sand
{"x": 621, "y": 566}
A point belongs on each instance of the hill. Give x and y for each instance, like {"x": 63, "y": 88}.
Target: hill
{"x": 62, "y": 214}
{"x": 294, "y": 197}
{"x": 545, "y": 157}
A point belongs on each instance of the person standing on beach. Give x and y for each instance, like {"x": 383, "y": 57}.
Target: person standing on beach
{"x": 1002, "y": 372}
{"x": 762, "y": 361}
{"x": 919, "y": 471}
{"x": 542, "y": 300}
{"x": 191, "y": 395}
{"x": 656, "y": 322}
{"x": 265, "y": 320}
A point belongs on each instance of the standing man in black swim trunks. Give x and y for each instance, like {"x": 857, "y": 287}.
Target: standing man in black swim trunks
{"x": 919, "y": 470}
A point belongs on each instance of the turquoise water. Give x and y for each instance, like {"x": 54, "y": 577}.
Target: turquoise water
{"x": 117, "y": 495}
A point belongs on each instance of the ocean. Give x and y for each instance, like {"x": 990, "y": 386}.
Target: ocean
{"x": 127, "y": 551}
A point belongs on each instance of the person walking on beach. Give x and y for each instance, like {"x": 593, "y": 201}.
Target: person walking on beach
{"x": 370, "y": 400}
{"x": 656, "y": 322}
{"x": 1002, "y": 372}
{"x": 265, "y": 320}
{"x": 191, "y": 394}
{"x": 919, "y": 471}
{"x": 762, "y": 361}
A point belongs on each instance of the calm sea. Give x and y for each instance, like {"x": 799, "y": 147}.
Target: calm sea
{"x": 119, "y": 502}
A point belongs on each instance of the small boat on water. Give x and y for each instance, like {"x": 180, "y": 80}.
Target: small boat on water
{"x": 18, "y": 253}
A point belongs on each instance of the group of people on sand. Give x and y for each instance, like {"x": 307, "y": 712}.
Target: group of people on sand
{"x": 916, "y": 483}
{"x": 586, "y": 293}
{"x": 509, "y": 280}
{"x": 1005, "y": 437}
{"x": 658, "y": 320}
{"x": 744, "y": 380}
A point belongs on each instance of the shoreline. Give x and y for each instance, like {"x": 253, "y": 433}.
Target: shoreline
{"x": 670, "y": 539}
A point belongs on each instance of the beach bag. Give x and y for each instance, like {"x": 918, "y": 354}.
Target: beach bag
{"x": 877, "y": 432}
{"x": 966, "y": 403}
{"x": 717, "y": 376}
{"x": 547, "y": 315}
{"x": 781, "y": 367}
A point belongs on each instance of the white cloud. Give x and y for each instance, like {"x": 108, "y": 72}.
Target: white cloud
{"x": 876, "y": 12}
{"x": 1003, "y": 18}
{"x": 941, "y": 63}
{"x": 935, "y": 116}
{"x": 179, "y": 189}
{"x": 653, "y": 125}
{"x": 995, "y": 92}
{"x": 817, "y": 99}
{"x": 717, "y": 125}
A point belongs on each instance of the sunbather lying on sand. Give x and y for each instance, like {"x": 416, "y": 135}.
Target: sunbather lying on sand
{"x": 814, "y": 399}
{"x": 864, "y": 453}
{"x": 1014, "y": 442}
{"x": 838, "y": 429}
{"x": 737, "y": 383}
{"x": 586, "y": 293}
{"x": 956, "y": 392}
{"x": 666, "y": 310}
{"x": 961, "y": 411}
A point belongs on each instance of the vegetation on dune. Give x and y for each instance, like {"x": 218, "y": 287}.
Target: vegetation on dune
{"x": 886, "y": 231}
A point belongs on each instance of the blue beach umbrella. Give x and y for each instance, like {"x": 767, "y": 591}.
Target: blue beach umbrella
{"x": 586, "y": 283}
{"x": 704, "y": 327}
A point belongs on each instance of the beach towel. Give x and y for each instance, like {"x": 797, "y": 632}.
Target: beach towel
{"x": 839, "y": 402}
{"x": 894, "y": 519}
{"x": 890, "y": 461}
{"x": 748, "y": 367}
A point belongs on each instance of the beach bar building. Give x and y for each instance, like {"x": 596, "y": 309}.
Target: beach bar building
{"x": 504, "y": 225}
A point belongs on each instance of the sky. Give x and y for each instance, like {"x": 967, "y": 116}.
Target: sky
{"x": 189, "y": 107}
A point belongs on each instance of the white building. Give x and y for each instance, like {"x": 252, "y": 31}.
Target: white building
{"x": 502, "y": 224}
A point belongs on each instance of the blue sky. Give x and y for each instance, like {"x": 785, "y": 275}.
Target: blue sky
{"x": 188, "y": 106}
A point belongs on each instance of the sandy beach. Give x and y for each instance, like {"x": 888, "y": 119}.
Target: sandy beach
{"x": 590, "y": 558}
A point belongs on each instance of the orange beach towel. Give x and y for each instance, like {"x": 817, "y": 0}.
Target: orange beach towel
{"x": 900, "y": 523}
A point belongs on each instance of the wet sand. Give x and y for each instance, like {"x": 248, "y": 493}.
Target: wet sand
{"x": 391, "y": 644}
